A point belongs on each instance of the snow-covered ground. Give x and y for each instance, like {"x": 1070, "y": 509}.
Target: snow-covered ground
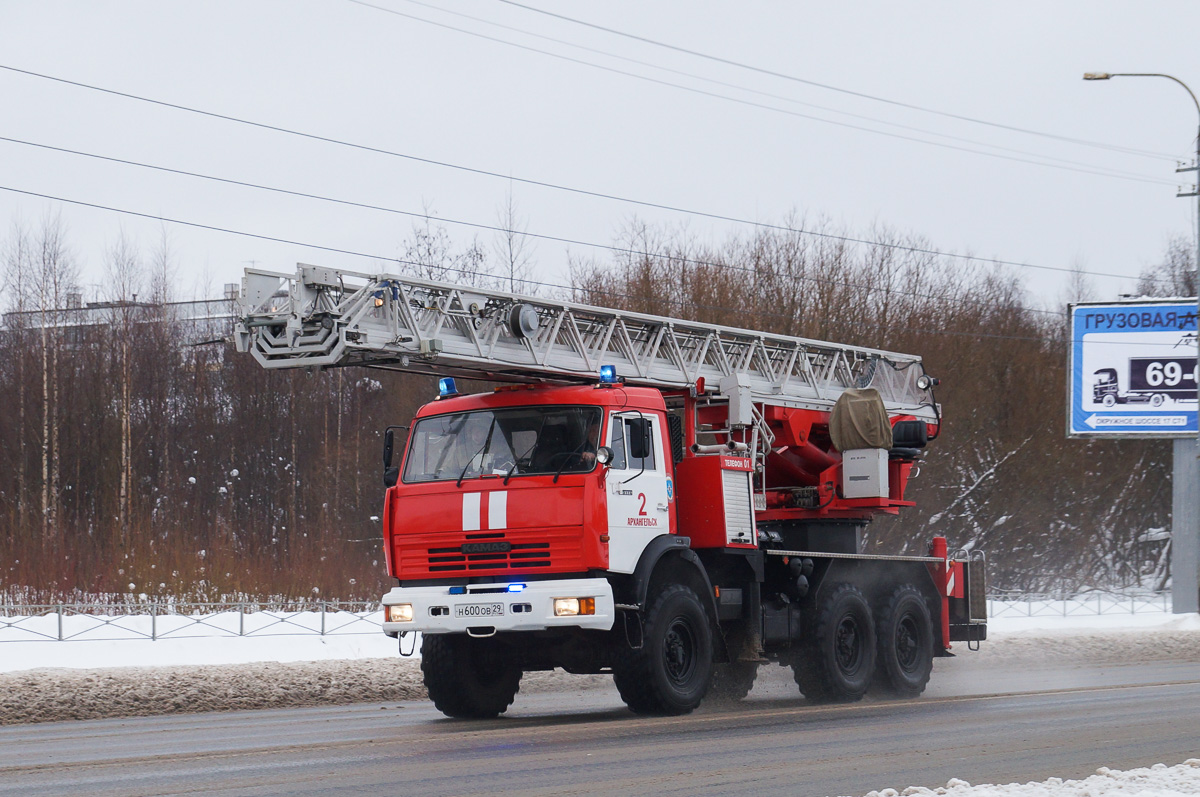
{"x": 91, "y": 642}
{"x": 1159, "y": 780}
{"x": 32, "y": 643}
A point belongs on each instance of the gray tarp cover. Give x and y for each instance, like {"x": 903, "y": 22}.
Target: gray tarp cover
{"x": 859, "y": 420}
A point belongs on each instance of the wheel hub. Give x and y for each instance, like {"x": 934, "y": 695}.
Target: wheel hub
{"x": 679, "y": 650}
{"x": 847, "y": 646}
{"x": 907, "y": 643}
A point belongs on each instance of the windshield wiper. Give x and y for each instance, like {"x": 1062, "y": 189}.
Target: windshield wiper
{"x": 562, "y": 467}
{"x": 487, "y": 442}
{"x": 568, "y": 457}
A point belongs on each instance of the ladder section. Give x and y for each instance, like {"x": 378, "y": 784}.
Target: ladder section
{"x": 321, "y": 317}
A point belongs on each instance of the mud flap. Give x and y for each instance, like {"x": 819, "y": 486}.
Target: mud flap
{"x": 634, "y": 632}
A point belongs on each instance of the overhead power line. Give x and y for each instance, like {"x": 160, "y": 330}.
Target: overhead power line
{"x": 536, "y": 283}
{"x": 1094, "y": 170}
{"x": 468, "y": 272}
{"x": 497, "y": 228}
{"x": 541, "y": 183}
{"x": 838, "y": 89}
{"x": 1047, "y": 160}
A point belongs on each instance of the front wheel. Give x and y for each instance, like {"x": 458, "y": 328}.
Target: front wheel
{"x": 1157, "y": 400}
{"x": 1109, "y": 400}
{"x": 469, "y": 678}
{"x": 670, "y": 673}
{"x": 837, "y": 661}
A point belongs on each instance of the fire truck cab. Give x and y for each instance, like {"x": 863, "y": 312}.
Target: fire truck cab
{"x": 588, "y": 527}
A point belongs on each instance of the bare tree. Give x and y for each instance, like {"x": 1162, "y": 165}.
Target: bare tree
{"x": 1174, "y": 274}
{"x": 512, "y": 247}
{"x": 123, "y": 272}
{"x": 1079, "y": 287}
{"x": 54, "y": 275}
{"x": 18, "y": 267}
{"x": 429, "y": 253}
{"x": 163, "y": 270}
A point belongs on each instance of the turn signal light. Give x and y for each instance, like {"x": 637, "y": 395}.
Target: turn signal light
{"x": 571, "y": 607}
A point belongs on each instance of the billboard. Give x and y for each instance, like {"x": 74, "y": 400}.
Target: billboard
{"x": 1132, "y": 369}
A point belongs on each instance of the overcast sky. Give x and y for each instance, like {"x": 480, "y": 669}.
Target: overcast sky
{"x": 344, "y": 70}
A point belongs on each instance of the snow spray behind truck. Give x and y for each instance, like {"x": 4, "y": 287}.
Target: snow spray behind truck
{"x": 670, "y": 502}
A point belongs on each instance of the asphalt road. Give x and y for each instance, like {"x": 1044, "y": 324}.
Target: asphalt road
{"x": 1003, "y": 723}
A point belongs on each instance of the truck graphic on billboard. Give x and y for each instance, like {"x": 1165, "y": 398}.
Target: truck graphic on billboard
{"x": 1151, "y": 380}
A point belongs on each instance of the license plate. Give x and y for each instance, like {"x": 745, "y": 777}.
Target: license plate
{"x": 478, "y": 609}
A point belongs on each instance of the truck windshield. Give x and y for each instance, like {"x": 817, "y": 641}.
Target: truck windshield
{"x": 517, "y": 442}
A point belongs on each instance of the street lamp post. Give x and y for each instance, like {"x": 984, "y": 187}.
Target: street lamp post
{"x": 1185, "y": 548}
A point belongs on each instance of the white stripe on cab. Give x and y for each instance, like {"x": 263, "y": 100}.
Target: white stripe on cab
{"x": 498, "y": 510}
{"x": 470, "y": 515}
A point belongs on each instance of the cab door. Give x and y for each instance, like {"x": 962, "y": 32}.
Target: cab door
{"x": 638, "y": 487}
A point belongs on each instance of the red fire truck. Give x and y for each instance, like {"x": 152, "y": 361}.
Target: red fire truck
{"x": 670, "y": 502}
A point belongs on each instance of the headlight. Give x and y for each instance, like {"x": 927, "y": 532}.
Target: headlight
{"x": 400, "y": 613}
{"x": 570, "y": 607}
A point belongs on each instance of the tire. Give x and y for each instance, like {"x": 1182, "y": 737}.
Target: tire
{"x": 469, "y": 678}
{"x": 733, "y": 681}
{"x": 671, "y": 672}
{"x": 837, "y": 662}
{"x": 1157, "y": 400}
{"x": 1109, "y": 400}
{"x": 905, "y": 635}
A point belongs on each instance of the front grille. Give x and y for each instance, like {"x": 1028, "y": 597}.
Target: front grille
{"x": 450, "y": 558}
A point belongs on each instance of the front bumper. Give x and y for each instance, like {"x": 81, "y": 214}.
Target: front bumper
{"x": 437, "y": 611}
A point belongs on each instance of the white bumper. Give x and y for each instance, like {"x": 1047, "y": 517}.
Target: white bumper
{"x": 437, "y": 611}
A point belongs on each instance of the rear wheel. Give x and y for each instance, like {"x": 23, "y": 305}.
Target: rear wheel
{"x": 671, "y": 671}
{"x": 905, "y": 633}
{"x": 469, "y": 678}
{"x": 734, "y": 680}
{"x": 837, "y": 662}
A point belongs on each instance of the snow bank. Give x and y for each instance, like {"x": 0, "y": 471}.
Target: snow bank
{"x": 1159, "y": 780}
{"x": 61, "y": 694}
{"x": 49, "y": 695}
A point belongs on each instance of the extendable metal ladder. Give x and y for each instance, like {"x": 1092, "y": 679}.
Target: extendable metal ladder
{"x": 322, "y": 317}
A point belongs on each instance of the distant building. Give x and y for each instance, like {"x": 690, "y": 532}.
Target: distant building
{"x": 198, "y": 320}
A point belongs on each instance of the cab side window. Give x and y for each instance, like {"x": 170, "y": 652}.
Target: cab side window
{"x": 618, "y": 442}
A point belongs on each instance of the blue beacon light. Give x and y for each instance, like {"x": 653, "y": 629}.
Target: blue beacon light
{"x": 446, "y": 386}
{"x": 608, "y": 374}
{"x": 516, "y": 587}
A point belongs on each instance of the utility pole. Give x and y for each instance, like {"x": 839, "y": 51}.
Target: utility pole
{"x": 1185, "y": 493}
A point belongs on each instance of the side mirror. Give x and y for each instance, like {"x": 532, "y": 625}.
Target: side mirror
{"x": 391, "y": 475}
{"x": 389, "y": 444}
{"x": 639, "y": 437}
{"x": 604, "y": 455}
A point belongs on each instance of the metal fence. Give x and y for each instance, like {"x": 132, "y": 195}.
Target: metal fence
{"x": 125, "y": 621}
{"x": 1087, "y": 604}
{"x": 77, "y": 621}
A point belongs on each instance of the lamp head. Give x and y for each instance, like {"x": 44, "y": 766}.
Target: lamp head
{"x": 1096, "y": 76}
